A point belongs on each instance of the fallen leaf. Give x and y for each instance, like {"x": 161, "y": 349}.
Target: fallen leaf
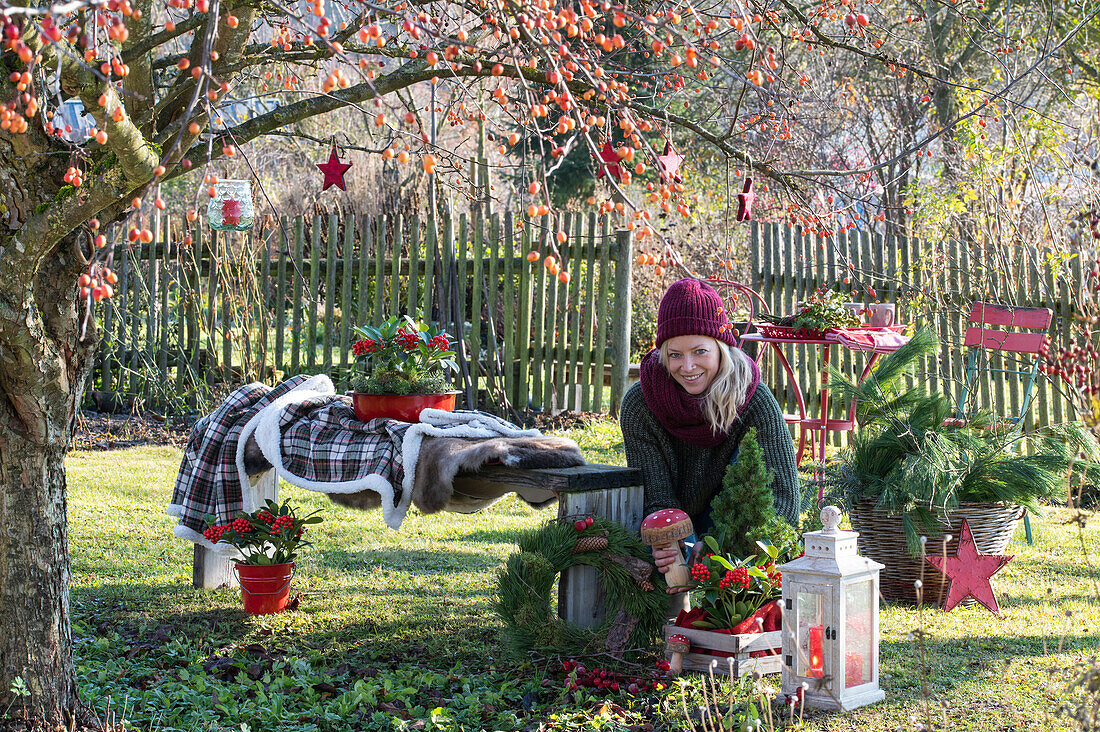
{"x": 326, "y": 689}
{"x": 393, "y": 709}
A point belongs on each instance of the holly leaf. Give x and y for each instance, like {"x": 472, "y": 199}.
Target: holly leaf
{"x": 722, "y": 562}
{"x": 712, "y": 543}
{"x": 770, "y": 550}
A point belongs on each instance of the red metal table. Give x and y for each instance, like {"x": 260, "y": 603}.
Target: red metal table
{"x": 815, "y": 430}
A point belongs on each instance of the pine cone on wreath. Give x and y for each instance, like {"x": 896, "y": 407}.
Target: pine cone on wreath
{"x": 645, "y": 585}
{"x": 592, "y": 543}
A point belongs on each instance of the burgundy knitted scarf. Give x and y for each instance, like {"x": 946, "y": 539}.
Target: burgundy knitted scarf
{"x": 679, "y": 412}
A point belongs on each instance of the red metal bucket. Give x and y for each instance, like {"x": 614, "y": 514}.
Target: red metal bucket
{"x": 404, "y": 407}
{"x": 265, "y": 588}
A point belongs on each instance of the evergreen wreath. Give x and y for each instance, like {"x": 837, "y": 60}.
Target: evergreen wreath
{"x": 635, "y": 597}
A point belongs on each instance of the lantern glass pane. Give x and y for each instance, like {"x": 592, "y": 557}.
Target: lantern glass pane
{"x": 858, "y": 626}
{"x": 810, "y": 649}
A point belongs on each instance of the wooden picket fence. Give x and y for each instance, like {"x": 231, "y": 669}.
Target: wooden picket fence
{"x": 933, "y": 285}
{"x": 186, "y": 322}
{"x": 282, "y": 299}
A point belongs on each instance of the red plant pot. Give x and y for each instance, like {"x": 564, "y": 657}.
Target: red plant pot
{"x": 403, "y": 407}
{"x": 265, "y": 588}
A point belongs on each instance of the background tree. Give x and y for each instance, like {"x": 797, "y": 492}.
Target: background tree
{"x": 162, "y": 83}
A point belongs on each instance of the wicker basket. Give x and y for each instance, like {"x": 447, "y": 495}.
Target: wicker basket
{"x": 882, "y": 538}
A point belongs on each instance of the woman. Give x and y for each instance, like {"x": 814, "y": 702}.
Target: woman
{"x": 698, "y": 396}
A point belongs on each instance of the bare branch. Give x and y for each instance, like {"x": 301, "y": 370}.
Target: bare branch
{"x": 147, "y": 44}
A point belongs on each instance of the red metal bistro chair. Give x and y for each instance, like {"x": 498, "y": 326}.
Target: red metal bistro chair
{"x": 983, "y": 340}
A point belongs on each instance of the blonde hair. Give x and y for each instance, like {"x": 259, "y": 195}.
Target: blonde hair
{"x": 726, "y": 395}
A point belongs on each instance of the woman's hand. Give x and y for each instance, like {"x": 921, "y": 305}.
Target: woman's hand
{"x": 665, "y": 557}
{"x": 696, "y": 553}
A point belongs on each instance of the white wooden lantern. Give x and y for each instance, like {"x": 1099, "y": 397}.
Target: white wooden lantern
{"x": 830, "y": 620}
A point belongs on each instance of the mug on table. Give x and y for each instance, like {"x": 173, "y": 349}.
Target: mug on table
{"x": 882, "y": 314}
{"x": 856, "y": 308}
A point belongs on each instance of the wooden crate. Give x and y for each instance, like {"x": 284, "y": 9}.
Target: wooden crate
{"x": 739, "y": 645}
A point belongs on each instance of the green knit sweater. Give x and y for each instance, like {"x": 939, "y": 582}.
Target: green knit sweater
{"x": 680, "y": 475}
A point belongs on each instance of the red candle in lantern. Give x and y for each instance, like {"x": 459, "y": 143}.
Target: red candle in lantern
{"x": 817, "y": 653}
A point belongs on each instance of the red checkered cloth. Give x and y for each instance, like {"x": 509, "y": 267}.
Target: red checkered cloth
{"x": 877, "y": 341}
{"x": 322, "y": 443}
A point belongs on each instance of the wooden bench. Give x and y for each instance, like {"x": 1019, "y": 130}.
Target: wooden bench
{"x": 607, "y": 491}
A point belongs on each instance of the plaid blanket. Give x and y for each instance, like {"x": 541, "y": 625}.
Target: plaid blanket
{"x": 325, "y": 444}
{"x": 313, "y": 440}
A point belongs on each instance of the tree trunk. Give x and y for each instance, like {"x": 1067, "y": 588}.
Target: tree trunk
{"x": 35, "y": 636}
{"x": 37, "y": 415}
{"x": 44, "y": 363}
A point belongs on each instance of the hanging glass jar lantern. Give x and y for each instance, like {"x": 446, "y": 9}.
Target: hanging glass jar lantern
{"x": 231, "y": 207}
{"x": 830, "y": 620}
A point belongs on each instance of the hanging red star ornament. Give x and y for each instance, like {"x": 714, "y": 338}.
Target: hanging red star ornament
{"x": 334, "y": 171}
{"x": 609, "y": 162}
{"x": 969, "y": 572}
{"x": 745, "y": 199}
{"x": 669, "y": 164}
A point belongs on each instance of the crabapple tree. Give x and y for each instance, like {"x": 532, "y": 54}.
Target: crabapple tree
{"x": 163, "y": 83}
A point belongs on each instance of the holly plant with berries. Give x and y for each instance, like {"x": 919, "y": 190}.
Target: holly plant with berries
{"x": 402, "y": 356}
{"x": 271, "y": 535}
{"x": 732, "y": 591}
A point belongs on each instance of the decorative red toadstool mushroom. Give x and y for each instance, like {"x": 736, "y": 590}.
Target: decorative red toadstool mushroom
{"x": 677, "y": 645}
{"x": 663, "y": 530}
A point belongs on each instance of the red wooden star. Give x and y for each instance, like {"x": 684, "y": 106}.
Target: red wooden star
{"x": 745, "y": 199}
{"x": 609, "y": 162}
{"x": 334, "y": 171}
{"x": 668, "y": 163}
{"x": 969, "y": 572}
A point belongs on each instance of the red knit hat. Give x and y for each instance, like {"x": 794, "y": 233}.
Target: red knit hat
{"x": 691, "y": 307}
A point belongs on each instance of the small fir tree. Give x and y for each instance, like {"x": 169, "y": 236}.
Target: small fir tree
{"x": 743, "y": 512}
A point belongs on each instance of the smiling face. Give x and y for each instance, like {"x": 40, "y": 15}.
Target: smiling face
{"x": 693, "y": 361}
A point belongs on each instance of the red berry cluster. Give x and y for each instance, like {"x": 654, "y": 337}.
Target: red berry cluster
{"x": 239, "y": 526}
{"x": 700, "y": 573}
{"x": 737, "y": 576}
{"x": 1074, "y": 362}
{"x": 774, "y": 575}
{"x": 441, "y": 342}
{"x": 584, "y": 523}
{"x": 600, "y": 678}
{"x": 281, "y": 522}
{"x": 266, "y": 517}
{"x": 408, "y": 339}
{"x": 365, "y": 346}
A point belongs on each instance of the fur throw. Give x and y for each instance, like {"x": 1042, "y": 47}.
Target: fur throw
{"x": 442, "y": 458}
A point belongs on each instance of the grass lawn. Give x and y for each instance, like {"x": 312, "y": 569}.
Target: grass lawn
{"x": 397, "y": 630}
